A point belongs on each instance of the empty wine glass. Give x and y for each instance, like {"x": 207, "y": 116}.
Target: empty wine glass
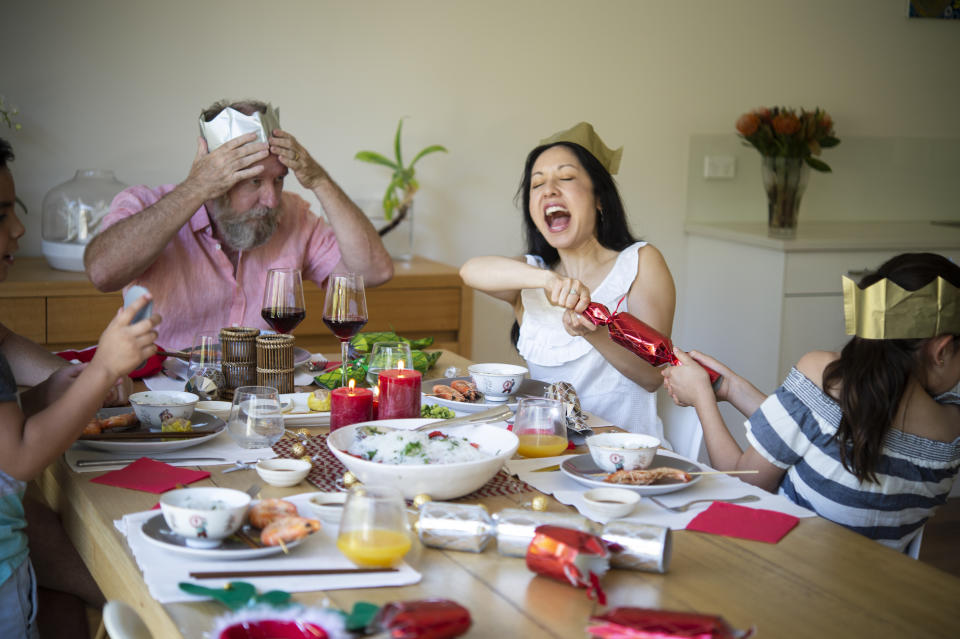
{"x": 541, "y": 427}
{"x": 387, "y": 355}
{"x": 283, "y": 308}
{"x": 374, "y": 530}
{"x": 345, "y": 311}
{"x": 256, "y": 420}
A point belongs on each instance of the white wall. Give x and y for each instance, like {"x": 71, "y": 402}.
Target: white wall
{"x": 118, "y": 84}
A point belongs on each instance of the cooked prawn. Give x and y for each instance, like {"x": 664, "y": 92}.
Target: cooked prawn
{"x": 286, "y": 529}
{"x": 446, "y": 392}
{"x": 467, "y": 389}
{"x": 267, "y": 510}
{"x": 96, "y": 426}
{"x": 647, "y": 477}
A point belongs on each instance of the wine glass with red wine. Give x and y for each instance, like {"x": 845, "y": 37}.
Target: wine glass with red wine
{"x": 283, "y": 308}
{"x": 345, "y": 311}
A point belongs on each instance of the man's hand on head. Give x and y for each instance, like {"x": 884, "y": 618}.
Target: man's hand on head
{"x": 296, "y": 158}
{"x": 216, "y": 172}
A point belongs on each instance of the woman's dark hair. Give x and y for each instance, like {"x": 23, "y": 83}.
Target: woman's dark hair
{"x": 6, "y": 153}
{"x": 612, "y": 229}
{"x": 872, "y": 374}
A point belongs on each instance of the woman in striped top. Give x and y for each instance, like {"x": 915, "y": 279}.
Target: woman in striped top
{"x": 869, "y": 437}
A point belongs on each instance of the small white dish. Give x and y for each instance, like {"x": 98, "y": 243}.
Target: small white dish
{"x": 622, "y": 451}
{"x": 220, "y": 409}
{"x": 327, "y": 506}
{"x": 610, "y": 502}
{"x": 283, "y": 472}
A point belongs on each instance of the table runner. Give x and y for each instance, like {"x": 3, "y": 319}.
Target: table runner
{"x": 327, "y": 472}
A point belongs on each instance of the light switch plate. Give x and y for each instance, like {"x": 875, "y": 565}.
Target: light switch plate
{"x": 719, "y": 167}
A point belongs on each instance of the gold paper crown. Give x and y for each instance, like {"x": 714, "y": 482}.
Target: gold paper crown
{"x": 584, "y": 135}
{"x": 885, "y": 310}
{"x": 230, "y": 124}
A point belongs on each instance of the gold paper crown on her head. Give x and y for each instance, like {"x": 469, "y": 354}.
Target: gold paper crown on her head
{"x": 885, "y": 310}
{"x": 230, "y": 124}
{"x": 584, "y": 135}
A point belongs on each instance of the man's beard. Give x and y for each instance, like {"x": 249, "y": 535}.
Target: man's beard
{"x": 247, "y": 230}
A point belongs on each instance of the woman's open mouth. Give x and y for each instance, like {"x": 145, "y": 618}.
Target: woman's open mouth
{"x": 557, "y": 218}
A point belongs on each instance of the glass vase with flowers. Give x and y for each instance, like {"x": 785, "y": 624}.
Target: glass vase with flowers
{"x": 790, "y": 144}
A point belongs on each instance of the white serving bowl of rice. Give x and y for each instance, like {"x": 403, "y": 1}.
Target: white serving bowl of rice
{"x": 450, "y": 474}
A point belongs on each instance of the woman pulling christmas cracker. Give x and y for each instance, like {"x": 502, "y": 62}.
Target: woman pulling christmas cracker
{"x": 865, "y": 437}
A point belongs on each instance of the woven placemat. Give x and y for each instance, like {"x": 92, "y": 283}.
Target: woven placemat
{"x": 327, "y": 472}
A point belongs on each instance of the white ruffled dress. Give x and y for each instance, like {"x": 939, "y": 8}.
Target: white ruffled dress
{"x": 553, "y": 355}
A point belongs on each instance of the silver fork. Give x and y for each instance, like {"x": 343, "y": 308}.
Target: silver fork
{"x": 684, "y": 507}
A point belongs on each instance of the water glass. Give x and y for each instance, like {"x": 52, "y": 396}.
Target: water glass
{"x": 386, "y": 355}
{"x": 541, "y": 426}
{"x": 374, "y": 530}
{"x": 256, "y": 420}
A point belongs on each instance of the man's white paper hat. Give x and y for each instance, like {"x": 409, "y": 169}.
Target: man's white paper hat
{"x": 230, "y": 124}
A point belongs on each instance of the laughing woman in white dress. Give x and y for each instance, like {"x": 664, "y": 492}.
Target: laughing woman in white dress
{"x": 579, "y": 249}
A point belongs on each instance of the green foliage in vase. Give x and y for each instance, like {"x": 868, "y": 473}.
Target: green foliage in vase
{"x": 402, "y": 184}
{"x": 780, "y": 132}
{"x": 7, "y": 113}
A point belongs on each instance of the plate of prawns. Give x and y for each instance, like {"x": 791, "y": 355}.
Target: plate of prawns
{"x": 460, "y": 394}
{"x": 273, "y": 526}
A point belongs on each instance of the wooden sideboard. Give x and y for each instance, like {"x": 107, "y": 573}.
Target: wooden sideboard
{"x": 62, "y": 309}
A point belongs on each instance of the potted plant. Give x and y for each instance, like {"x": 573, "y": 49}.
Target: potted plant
{"x": 398, "y": 198}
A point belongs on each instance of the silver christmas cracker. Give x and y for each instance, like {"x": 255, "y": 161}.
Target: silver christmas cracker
{"x": 635, "y": 546}
{"x": 455, "y": 526}
{"x": 515, "y": 527}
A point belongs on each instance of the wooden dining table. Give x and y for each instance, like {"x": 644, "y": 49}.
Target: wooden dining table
{"x": 821, "y": 580}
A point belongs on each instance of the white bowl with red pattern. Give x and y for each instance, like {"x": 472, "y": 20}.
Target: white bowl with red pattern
{"x": 622, "y": 451}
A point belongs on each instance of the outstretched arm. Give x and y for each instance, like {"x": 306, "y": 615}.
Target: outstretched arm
{"x": 689, "y": 385}
{"x": 30, "y": 444}
{"x": 652, "y": 298}
{"x": 505, "y": 277}
{"x": 122, "y": 252}
{"x": 361, "y": 249}
{"x": 31, "y": 363}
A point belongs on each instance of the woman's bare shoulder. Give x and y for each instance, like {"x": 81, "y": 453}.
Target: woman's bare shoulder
{"x": 814, "y": 363}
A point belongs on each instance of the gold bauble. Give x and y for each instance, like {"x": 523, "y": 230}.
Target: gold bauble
{"x": 349, "y": 479}
{"x": 298, "y": 450}
{"x": 416, "y": 527}
{"x": 303, "y": 431}
{"x": 539, "y": 503}
{"x": 308, "y": 459}
{"x": 421, "y": 499}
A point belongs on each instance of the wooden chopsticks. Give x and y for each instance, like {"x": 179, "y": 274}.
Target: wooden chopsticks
{"x": 286, "y": 573}
{"x": 146, "y": 435}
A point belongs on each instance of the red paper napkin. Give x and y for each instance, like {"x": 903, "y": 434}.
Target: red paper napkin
{"x": 152, "y": 366}
{"x": 733, "y": 520}
{"x": 150, "y": 476}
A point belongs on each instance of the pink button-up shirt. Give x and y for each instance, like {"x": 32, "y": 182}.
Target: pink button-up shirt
{"x": 193, "y": 282}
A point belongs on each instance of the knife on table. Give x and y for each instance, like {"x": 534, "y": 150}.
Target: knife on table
{"x": 127, "y": 460}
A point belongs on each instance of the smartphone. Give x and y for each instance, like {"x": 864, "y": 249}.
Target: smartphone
{"x": 132, "y": 295}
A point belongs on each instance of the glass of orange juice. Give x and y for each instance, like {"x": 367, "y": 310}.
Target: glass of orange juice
{"x": 374, "y": 530}
{"x": 541, "y": 427}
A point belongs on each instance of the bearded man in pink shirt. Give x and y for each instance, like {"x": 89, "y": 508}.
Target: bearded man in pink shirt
{"x": 203, "y": 247}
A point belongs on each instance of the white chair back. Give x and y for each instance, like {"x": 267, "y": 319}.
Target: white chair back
{"x": 123, "y": 622}
{"x": 913, "y": 548}
{"x": 682, "y": 429}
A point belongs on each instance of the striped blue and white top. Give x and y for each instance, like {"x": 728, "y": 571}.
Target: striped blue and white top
{"x": 13, "y": 541}
{"x": 794, "y": 429}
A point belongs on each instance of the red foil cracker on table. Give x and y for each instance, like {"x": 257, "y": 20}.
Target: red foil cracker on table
{"x": 422, "y": 619}
{"x": 572, "y": 556}
{"x": 637, "y": 336}
{"x": 644, "y": 623}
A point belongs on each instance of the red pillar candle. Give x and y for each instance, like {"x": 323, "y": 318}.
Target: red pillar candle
{"x": 399, "y": 393}
{"x": 349, "y": 405}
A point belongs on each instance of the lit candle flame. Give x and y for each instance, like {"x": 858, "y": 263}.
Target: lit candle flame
{"x": 400, "y": 364}
{"x": 351, "y": 384}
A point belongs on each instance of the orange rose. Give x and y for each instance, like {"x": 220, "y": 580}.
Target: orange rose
{"x": 786, "y": 124}
{"x": 748, "y": 124}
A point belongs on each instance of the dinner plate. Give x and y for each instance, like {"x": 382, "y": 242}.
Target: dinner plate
{"x": 156, "y": 531}
{"x": 528, "y": 387}
{"x": 299, "y": 414}
{"x": 201, "y": 421}
{"x": 583, "y": 469}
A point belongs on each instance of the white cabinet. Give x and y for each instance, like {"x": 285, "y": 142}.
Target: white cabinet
{"x": 758, "y": 304}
